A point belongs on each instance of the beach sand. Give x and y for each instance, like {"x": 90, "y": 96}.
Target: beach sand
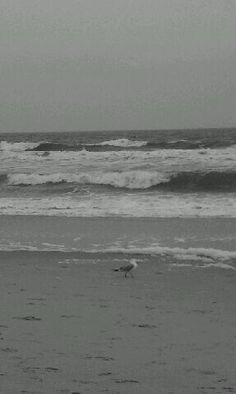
{"x": 69, "y": 324}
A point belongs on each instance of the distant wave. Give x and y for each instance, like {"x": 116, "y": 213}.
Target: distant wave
{"x": 134, "y": 180}
{"x": 189, "y": 144}
{"x": 123, "y": 142}
{"x": 52, "y": 146}
{"x": 118, "y": 144}
{"x": 114, "y": 144}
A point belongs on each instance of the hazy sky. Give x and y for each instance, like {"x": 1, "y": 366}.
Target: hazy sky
{"x": 117, "y": 64}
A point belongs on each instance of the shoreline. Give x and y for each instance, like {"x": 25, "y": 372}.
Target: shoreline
{"x": 114, "y": 234}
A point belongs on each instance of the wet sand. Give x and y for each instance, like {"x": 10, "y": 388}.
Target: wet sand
{"x": 69, "y": 324}
{"x": 64, "y": 233}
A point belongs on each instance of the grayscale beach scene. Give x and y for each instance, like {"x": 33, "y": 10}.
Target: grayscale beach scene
{"x": 118, "y": 197}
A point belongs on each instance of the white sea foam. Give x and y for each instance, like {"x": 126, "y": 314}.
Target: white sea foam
{"x": 209, "y": 255}
{"x": 124, "y": 205}
{"x": 17, "y": 146}
{"x": 123, "y": 143}
{"x": 11, "y": 246}
{"x": 33, "y": 247}
{"x": 147, "y": 246}
{"x": 128, "y": 179}
{"x": 176, "y": 257}
{"x": 162, "y": 161}
{"x": 219, "y": 265}
{"x": 207, "y": 265}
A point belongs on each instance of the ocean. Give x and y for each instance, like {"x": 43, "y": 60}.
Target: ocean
{"x": 179, "y": 173}
{"x": 139, "y": 192}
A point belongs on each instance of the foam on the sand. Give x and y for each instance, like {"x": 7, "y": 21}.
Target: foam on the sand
{"x": 206, "y": 265}
{"x": 203, "y": 254}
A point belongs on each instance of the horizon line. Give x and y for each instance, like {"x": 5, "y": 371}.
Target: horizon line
{"x": 119, "y": 131}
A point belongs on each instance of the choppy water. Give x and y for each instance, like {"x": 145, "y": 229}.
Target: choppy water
{"x": 140, "y": 174}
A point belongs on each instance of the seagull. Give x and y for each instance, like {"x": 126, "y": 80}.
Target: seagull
{"x": 127, "y": 268}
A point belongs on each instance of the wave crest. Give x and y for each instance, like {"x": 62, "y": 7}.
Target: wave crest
{"x": 116, "y": 144}
{"x": 17, "y": 146}
{"x": 123, "y": 143}
{"x": 113, "y": 144}
{"x": 135, "y": 180}
{"x": 128, "y": 180}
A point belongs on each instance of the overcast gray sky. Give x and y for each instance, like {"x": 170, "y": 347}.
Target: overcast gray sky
{"x": 117, "y": 64}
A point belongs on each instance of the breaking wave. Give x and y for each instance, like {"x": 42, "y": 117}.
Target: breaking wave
{"x": 123, "y": 143}
{"x": 118, "y": 144}
{"x": 113, "y": 145}
{"x": 17, "y": 146}
{"x": 128, "y": 180}
{"x": 137, "y": 180}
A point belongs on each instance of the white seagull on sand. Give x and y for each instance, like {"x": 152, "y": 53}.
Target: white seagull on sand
{"x": 128, "y": 268}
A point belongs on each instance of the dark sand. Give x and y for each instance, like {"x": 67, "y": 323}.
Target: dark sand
{"x": 82, "y": 328}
